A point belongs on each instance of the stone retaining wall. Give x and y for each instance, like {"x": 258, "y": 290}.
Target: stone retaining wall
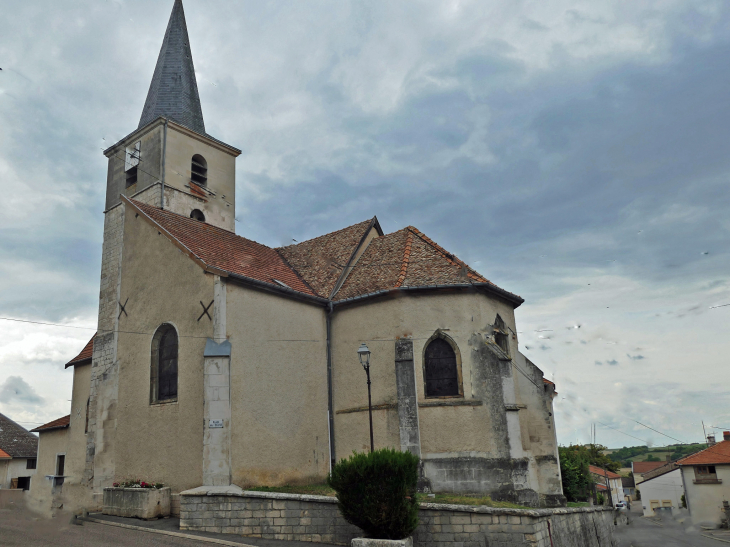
{"x": 316, "y": 519}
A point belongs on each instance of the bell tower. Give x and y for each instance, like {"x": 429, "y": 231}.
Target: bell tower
{"x": 170, "y": 161}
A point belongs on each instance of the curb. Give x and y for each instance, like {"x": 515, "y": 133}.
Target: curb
{"x": 166, "y": 533}
{"x": 716, "y": 539}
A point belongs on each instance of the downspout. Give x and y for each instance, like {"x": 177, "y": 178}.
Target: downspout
{"x": 164, "y": 159}
{"x": 330, "y": 409}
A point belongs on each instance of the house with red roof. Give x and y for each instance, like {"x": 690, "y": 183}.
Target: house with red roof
{"x": 706, "y": 480}
{"x": 639, "y": 469}
{"x": 221, "y": 362}
{"x": 607, "y": 479}
{"x": 661, "y": 488}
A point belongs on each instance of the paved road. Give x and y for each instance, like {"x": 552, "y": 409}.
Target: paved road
{"x": 20, "y": 528}
{"x": 643, "y": 532}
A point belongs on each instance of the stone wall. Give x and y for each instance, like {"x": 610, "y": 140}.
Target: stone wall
{"x": 316, "y": 519}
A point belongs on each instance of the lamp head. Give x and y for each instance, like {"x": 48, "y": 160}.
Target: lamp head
{"x": 364, "y": 354}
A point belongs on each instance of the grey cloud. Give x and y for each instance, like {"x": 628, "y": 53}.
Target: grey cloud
{"x": 15, "y": 390}
{"x": 612, "y": 362}
{"x": 635, "y": 357}
{"x": 598, "y": 362}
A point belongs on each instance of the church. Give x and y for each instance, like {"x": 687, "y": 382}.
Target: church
{"x": 222, "y": 362}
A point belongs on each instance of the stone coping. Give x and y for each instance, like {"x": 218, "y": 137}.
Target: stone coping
{"x": 130, "y": 489}
{"x": 213, "y": 491}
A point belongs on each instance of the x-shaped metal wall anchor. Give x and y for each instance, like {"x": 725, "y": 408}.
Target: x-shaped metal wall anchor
{"x": 122, "y": 310}
{"x": 205, "y": 310}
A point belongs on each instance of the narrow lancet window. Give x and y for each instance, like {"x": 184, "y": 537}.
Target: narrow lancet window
{"x": 163, "y": 381}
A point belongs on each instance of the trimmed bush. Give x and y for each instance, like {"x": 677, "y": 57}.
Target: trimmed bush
{"x": 377, "y": 492}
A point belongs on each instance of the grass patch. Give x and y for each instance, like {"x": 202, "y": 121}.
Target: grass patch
{"x": 578, "y": 504}
{"x": 466, "y": 499}
{"x": 454, "y": 499}
{"x": 310, "y": 489}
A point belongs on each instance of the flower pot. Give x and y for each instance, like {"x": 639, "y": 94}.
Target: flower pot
{"x": 368, "y": 542}
{"x": 143, "y": 503}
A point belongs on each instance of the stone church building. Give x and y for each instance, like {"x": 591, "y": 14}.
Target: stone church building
{"x": 220, "y": 361}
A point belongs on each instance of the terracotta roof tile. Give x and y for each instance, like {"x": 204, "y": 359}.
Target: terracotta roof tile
{"x": 645, "y": 467}
{"x": 4, "y": 455}
{"x": 16, "y": 440}
{"x": 716, "y": 454}
{"x": 55, "y": 424}
{"x": 600, "y": 471}
{"x": 321, "y": 261}
{"x": 227, "y": 251}
{"x": 407, "y": 258}
{"x": 85, "y": 354}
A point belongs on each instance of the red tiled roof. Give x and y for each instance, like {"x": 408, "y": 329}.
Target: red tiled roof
{"x": 716, "y": 454}
{"x": 600, "y": 486}
{"x": 321, "y": 261}
{"x": 545, "y": 380}
{"x": 55, "y": 424}
{"x": 645, "y": 467}
{"x": 4, "y": 455}
{"x": 407, "y": 258}
{"x": 224, "y": 250}
{"x": 600, "y": 471}
{"x": 85, "y": 354}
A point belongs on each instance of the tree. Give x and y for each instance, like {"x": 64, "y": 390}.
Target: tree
{"x": 577, "y": 482}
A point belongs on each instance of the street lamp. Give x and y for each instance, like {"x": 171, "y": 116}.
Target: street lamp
{"x": 364, "y": 354}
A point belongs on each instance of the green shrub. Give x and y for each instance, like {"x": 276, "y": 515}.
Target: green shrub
{"x": 377, "y": 492}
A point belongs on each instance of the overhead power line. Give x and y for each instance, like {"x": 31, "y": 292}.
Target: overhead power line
{"x": 623, "y": 433}
{"x": 660, "y": 433}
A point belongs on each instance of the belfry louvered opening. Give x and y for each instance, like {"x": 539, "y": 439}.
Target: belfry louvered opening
{"x": 199, "y": 170}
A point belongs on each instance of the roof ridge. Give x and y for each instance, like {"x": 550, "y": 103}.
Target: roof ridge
{"x": 370, "y": 221}
{"x": 406, "y": 259}
{"x": 679, "y": 461}
{"x": 451, "y": 257}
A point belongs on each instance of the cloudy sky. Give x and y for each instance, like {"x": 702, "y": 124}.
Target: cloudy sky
{"x": 574, "y": 152}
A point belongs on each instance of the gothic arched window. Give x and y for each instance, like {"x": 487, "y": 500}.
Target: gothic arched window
{"x": 199, "y": 170}
{"x": 441, "y": 369}
{"x": 163, "y": 377}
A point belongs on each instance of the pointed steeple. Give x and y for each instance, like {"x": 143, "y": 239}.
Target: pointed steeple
{"x": 174, "y": 90}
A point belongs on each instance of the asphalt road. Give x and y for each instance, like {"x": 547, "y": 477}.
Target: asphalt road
{"x": 21, "y": 528}
{"x": 644, "y": 532}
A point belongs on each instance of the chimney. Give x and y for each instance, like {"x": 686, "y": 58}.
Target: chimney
{"x": 726, "y": 435}
{"x": 710, "y": 440}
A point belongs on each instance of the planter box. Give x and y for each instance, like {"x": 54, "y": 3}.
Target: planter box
{"x": 143, "y": 503}
{"x": 367, "y": 542}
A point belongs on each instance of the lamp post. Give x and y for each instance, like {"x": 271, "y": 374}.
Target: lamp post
{"x": 364, "y": 354}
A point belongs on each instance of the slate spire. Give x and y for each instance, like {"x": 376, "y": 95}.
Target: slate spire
{"x": 174, "y": 90}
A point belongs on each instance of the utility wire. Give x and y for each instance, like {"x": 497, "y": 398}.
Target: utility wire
{"x": 682, "y": 442}
{"x": 608, "y": 426}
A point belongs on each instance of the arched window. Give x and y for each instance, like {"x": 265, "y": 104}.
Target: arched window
{"x": 199, "y": 170}
{"x": 441, "y": 369}
{"x": 197, "y": 214}
{"x": 501, "y": 338}
{"x": 163, "y": 377}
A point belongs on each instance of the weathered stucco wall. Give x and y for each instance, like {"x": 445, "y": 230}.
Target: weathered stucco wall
{"x": 704, "y": 501}
{"x": 148, "y": 170}
{"x": 278, "y": 388}
{"x": 43, "y": 493}
{"x": 667, "y": 487}
{"x": 160, "y": 442}
{"x": 182, "y": 145}
{"x": 471, "y": 443}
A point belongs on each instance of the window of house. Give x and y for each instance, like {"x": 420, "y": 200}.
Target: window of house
{"x": 199, "y": 170}
{"x": 197, "y": 214}
{"x": 441, "y": 370}
{"x": 31, "y": 463}
{"x": 705, "y": 473}
{"x": 163, "y": 383}
{"x": 501, "y": 336}
{"x": 131, "y": 163}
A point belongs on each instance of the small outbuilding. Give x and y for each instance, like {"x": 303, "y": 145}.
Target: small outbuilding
{"x": 18, "y": 449}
